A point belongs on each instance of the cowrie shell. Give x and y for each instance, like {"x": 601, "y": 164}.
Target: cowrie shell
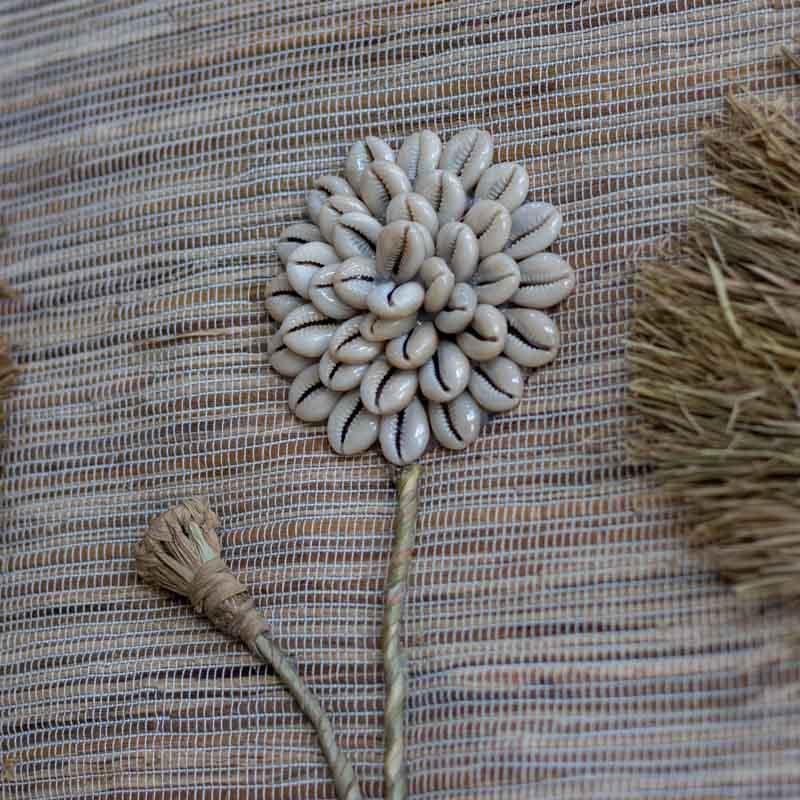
{"x": 533, "y": 337}
{"x": 456, "y": 424}
{"x": 333, "y": 208}
{"x": 486, "y": 335}
{"x": 348, "y": 346}
{"x": 507, "y": 184}
{"x": 351, "y": 428}
{"x": 386, "y": 389}
{"x": 363, "y": 153}
{"x": 356, "y": 234}
{"x": 402, "y": 247}
{"x": 283, "y": 360}
{"x": 534, "y": 227}
{"x": 381, "y": 181}
{"x": 497, "y": 279}
{"x": 375, "y": 329}
{"x": 305, "y": 262}
{"x": 458, "y": 246}
{"x": 395, "y": 300}
{"x": 309, "y": 399}
{"x": 307, "y": 331}
{"x": 354, "y": 280}
{"x": 546, "y": 279}
{"x": 296, "y": 236}
{"x": 405, "y": 435}
{"x": 322, "y": 294}
{"x": 492, "y": 225}
{"x": 438, "y": 280}
{"x": 445, "y": 375}
{"x": 420, "y": 153}
{"x": 413, "y": 349}
{"x": 413, "y": 208}
{"x": 496, "y": 385}
{"x": 467, "y": 155}
{"x": 444, "y": 192}
{"x": 458, "y": 312}
{"x": 325, "y": 188}
{"x": 281, "y": 298}
{"x": 338, "y": 376}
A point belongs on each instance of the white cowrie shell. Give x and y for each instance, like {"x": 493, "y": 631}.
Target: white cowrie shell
{"x": 401, "y": 248}
{"x": 309, "y": 399}
{"x": 486, "y": 335}
{"x": 446, "y": 375}
{"x": 375, "y": 329}
{"x": 458, "y": 246}
{"x": 284, "y": 361}
{"x": 333, "y": 208}
{"x": 386, "y": 389}
{"x": 508, "y": 184}
{"x": 338, "y": 376}
{"x": 356, "y": 234}
{"x": 438, "y": 280}
{"x": 413, "y": 349}
{"x": 307, "y": 332}
{"x": 351, "y": 428}
{"x": 405, "y": 435}
{"x": 296, "y": 236}
{"x": 533, "y": 337}
{"x": 325, "y": 187}
{"x": 546, "y": 279}
{"x": 395, "y": 300}
{"x": 467, "y": 155}
{"x": 413, "y": 208}
{"x": 305, "y": 262}
{"x": 456, "y": 424}
{"x": 419, "y": 154}
{"x": 444, "y": 192}
{"x": 458, "y": 312}
{"x": 534, "y": 227}
{"x": 322, "y": 294}
{"x": 281, "y": 298}
{"x": 497, "y": 279}
{"x": 348, "y": 346}
{"x": 381, "y": 181}
{"x": 492, "y": 225}
{"x": 496, "y": 385}
{"x": 354, "y": 280}
{"x": 363, "y": 153}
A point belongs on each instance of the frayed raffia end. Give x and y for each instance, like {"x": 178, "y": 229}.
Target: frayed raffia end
{"x": 715, "y": 358}
{"x": 180, "y": 552}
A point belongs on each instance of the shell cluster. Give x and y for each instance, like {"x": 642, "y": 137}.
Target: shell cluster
{"x": 415, "y": 294}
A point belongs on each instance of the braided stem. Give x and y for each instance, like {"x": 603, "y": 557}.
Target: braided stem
{"x": 342, "y": 772}
{"x": 394, "y": 662}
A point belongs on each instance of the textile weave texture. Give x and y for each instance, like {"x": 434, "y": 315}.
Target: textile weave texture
{"x": 562, "y": 640}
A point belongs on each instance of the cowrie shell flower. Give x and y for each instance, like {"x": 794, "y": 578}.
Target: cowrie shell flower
{"x": 415, "y": 294}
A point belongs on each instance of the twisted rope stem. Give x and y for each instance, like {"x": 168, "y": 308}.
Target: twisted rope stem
{"x": 341, "y": 769}
{"x": 394, "y": 662}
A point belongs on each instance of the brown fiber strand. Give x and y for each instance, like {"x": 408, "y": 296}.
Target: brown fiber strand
{"x": 715, "y": 357}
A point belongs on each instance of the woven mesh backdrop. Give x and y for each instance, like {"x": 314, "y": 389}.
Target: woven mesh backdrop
{"x": 562, "y": 642}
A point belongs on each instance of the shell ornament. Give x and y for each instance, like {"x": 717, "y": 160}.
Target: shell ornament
{"x": 415, "y": 295}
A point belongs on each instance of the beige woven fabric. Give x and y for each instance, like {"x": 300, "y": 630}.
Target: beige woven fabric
{"x": 562, "y": 642}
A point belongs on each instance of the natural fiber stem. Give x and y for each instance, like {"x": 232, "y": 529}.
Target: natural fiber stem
{"x": 342, "y": 771}
{"x": 394, "y": 662}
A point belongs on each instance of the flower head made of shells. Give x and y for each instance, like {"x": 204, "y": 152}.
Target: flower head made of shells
{"x": 415, "y": 294}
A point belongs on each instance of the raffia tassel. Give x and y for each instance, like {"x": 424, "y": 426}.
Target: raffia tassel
{"x": 715, "y": 358}
{"x": 180, "y": 552}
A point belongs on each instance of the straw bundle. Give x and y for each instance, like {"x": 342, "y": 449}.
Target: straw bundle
{"x": 715, "y": 357}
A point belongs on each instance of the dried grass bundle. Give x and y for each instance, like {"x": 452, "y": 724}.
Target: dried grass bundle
{"x": 715, "y": 357}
